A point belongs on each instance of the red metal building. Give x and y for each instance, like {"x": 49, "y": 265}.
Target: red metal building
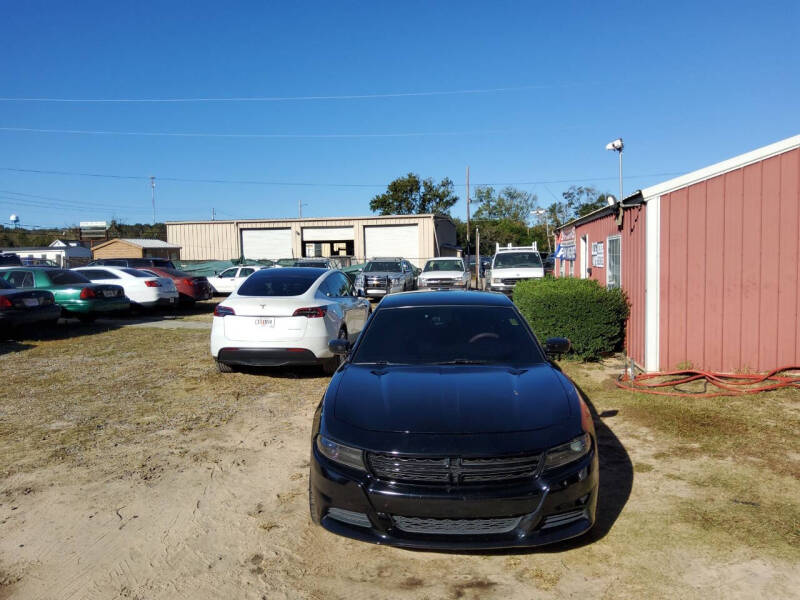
{"x": 710, "y": 262}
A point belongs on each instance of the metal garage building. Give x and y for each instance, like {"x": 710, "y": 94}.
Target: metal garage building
{"x": 710, "y": 262}
{"x": 415, "y": 237}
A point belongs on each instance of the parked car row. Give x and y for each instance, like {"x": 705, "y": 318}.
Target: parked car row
{"x": 33, "y": 294}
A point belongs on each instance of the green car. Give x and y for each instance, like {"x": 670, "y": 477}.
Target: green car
{"x": 74, "y": 293}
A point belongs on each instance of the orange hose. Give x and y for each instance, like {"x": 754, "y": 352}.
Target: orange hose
{"x": 729, "y": 384}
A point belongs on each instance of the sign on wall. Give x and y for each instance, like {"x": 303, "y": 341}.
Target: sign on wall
{"x": 598, "y": 257}
{"x": 567, "y": 252}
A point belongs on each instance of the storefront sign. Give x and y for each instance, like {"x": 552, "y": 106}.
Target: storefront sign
{"x": 598, "y": 257}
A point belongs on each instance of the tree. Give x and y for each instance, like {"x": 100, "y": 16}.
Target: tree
{"x": 411, "y": 196}
{"x": 578, "y": 201}
{"x": 511, "y": 203}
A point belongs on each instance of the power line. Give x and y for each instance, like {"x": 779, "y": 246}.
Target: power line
{"x": 309, "y": 183}
{"x": 304, "y": 98}
{"x": 257, "y": 135}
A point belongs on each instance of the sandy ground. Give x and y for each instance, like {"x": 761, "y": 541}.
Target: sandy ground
{"x": 221, "y": 512}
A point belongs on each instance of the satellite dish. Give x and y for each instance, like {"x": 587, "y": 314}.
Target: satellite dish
{"x": 610, "y": 200}
{"x": 14, "y": 219}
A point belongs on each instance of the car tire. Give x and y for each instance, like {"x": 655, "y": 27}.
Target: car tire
{"x": 223, "y": 367}
{"x": 329, "y": 365}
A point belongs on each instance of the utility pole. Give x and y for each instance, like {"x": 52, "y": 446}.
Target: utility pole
{"x": 213, "y": 215}
{"x": 153, "y": 196}
{"x": 478, "y": 258}
{"x": 468, "y": 210}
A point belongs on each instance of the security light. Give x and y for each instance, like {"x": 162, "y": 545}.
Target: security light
{"x": 610, "y": 200}
{"x": 615, "y": 145}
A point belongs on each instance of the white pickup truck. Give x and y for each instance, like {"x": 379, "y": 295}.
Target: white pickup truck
{"x": 512, "y": 264}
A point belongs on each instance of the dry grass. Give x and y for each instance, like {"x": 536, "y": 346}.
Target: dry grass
{"x": 95, "y": 399}
{"x": 740, "y": 456}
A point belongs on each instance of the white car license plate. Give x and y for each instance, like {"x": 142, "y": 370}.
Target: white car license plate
{"x": 109, "y": 293}
{"x": 265, "y": 322}
{"x": 31, "y": 301}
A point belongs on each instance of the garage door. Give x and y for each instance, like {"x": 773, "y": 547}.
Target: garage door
{"x": 266, "y": 243}
{"x": 327, "y": 234}
{"x": 392, "y": 240}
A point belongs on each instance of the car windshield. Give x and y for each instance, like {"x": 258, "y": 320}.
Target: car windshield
{"x": 504, "y": 260}
{"x": 383, "y": 267}
{"x": 319, "y": 264}
{"x": 443, "y": 265}
{"x": 279, "y": 282}
{"x": 173, "y": 272}
{"x": 448, "y": 334}
{"x": 66, "y": 277}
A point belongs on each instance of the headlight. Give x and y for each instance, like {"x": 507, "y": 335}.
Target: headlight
{"x": 567, "y": 453}
{"x": 497, "y": 281}
{"x": 339, "y": 453}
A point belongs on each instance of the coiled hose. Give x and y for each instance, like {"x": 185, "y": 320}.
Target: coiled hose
{"x": 727, "y": 384}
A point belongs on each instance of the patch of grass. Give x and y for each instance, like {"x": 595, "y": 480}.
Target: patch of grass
{"x": 94, "y": 399}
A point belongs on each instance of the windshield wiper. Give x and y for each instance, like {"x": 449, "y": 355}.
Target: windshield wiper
{"x": 462, "y": 361}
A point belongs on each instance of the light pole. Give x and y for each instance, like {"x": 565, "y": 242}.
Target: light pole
{"x": 617, "y": 146}
{"x": 542, "y": 215}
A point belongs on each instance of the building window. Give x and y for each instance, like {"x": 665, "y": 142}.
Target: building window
{"x": 614, "y": 270}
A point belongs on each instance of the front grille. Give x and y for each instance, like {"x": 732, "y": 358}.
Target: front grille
{"x": 379, "y": 282}
{"x": 440, "y": 283}
{"x": 510, "y": 281}
{"x": 452, "y": 470}
{"x": 456, "y": 526}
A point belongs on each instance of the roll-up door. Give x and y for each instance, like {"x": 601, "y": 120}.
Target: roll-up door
{"x": 392, "y": 240}
{"x": 266, "y": 243}
{"x": 327, "y": 234}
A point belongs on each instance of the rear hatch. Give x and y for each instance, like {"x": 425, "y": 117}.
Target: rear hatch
{"x": 265, "y": 319}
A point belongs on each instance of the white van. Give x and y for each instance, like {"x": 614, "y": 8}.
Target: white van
{"x": 512, "y": 264}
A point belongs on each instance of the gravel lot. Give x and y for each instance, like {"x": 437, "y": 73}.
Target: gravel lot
{"x": 129, "y": 468}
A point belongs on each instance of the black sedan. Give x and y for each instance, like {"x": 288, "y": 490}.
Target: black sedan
{"x": 447, "y": 427}
{"x": 23, "y": 307}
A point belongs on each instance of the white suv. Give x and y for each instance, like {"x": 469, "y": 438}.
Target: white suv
{"x": 512, "y": 264}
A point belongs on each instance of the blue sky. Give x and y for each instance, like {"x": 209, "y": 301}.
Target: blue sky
{"x": 684, "y": 83}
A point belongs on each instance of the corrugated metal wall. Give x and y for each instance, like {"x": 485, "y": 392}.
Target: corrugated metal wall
{"x": 221, "y": 240}
{"x": 729, "y": 269}
{"x": 632, "y": 266}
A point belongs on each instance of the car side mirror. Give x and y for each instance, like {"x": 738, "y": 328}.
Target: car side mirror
{"x": 339, "y": 347}
{"x": 556, "y": 346}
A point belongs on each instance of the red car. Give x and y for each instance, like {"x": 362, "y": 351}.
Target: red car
{"x": 190, "y": 287}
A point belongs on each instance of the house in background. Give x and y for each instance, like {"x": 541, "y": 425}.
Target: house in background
{"x": 58, "y": 253}
{"x": 136, "y": 248}
{"x": 710, "y": 262}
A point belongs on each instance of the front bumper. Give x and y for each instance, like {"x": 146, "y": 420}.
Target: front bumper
{"x": 545, "y": 510}
{"x": 267, "y": 357}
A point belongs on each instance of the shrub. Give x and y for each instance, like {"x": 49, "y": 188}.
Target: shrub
{"x": 591, "y": 316}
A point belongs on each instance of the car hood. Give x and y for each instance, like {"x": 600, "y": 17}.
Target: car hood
{"x": 442, "y": 275}
{"x": 517, "y": 271}
{"x": 458, "y": 399}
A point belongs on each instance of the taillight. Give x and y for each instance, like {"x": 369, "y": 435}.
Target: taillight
{"x": 188, "y": 281}
{"x": 152, "y": 283}
{"x": 223, "y": 311}
{"x": 312, "y": 312}
{"x": 87, "y": 293}
{"x": 5, "y": 303}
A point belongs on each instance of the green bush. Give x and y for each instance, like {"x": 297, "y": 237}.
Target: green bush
{"x": 591, "y": 316}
